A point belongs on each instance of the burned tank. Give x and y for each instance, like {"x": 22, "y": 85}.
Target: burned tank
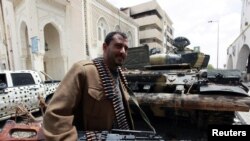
{"x": 177, "y": 83}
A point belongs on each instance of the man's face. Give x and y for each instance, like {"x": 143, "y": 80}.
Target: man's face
{"x": 116, "y": 52}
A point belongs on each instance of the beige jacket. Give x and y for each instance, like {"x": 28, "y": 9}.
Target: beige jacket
{"x": 79, "y": 103}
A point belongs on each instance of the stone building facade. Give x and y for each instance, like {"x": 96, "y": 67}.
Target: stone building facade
{"x": 40, "y": 33}
{"x": 155, "y": 27}
{"x": 238, "y": 53}
{"x": 104, "y": 18}
{"x": 50, "y": 35}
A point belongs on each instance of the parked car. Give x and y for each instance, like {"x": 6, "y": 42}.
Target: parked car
{"x": 23, "y": 87}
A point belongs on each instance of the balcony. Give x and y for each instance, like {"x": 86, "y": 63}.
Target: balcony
{"x": 151, "y": 34}
{"x": 149, "y": 20}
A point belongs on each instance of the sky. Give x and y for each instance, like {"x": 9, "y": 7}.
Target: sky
{"x": 190, "y": 19}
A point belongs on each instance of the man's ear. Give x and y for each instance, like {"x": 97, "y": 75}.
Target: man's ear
{"x": 104, "y": 46}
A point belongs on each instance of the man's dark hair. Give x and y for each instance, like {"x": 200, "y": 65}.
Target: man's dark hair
{"x": 110, "y": 35}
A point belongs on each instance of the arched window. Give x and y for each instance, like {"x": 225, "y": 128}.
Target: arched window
{"x": 130, "y": 39}
{"x": 102, "y": 29}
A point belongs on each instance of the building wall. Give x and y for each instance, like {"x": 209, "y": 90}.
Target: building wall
{"x": 155, "y": 27}
{"x": 10, "y": 31}
{"x": 3, "y": 48}
{"x": 51, "y": 35}
{"x": 245, "y": 15}
{"x": 168, "y": 33}
{"x": 238, "y": 53}
{"x": 28, "y": 25}
{"x": 103, "y": 12}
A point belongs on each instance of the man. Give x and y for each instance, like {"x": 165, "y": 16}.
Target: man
{"x": 93, "y": 95}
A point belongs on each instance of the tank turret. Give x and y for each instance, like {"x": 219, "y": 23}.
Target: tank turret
{"x": 181, "y": 56}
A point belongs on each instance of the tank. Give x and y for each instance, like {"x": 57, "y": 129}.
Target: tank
{"x": 180, "y": 56}
{"x": 177, "y": 83}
